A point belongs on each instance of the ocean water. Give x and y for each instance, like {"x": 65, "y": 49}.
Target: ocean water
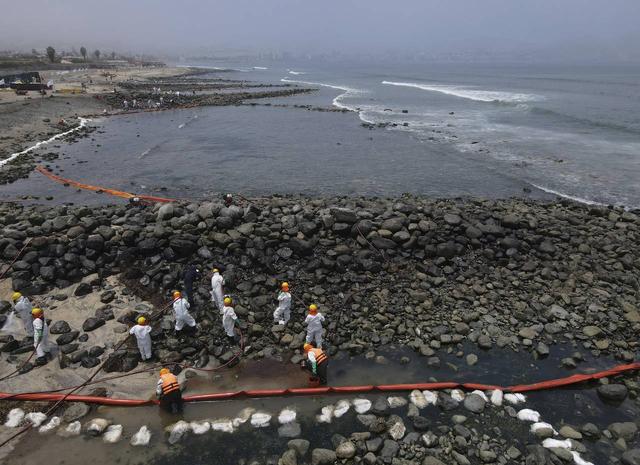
{"x": 569, "y": 131}
{"x": 441, "y": 130}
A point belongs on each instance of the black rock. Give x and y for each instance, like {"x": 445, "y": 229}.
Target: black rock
{"x": 67, "y": 338}
{"x": 69, "y": 348}
{"x": 107, "y": 296}
{"x": 96, "y": 351}
{"x": 92, "y": 323}
{"x": 59, "y": 327}
{"x": 420, "y": 423}
{"x": 83, "y": 289}
{"x": 90, "y": 362}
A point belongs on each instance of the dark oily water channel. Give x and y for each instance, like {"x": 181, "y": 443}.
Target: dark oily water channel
{"x": 259, "y": 151}
{"x": 573, "y": 406}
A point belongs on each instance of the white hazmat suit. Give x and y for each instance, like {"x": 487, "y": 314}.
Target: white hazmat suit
{"x": 23, "y": 311}
{"x": 217, "y": 281}
{"x": 181, "y": 312}
{"x": 143, "y": 338}
{"x": 314, "y": 329}
{"x": 229, "y": 318}
{"x": 40, "y": 336}
{"x": 282, "y": 313}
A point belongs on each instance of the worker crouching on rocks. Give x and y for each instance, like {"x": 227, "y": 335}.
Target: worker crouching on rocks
{"x": 316, "y": 361}
{"x": 142, "y": 332}
{"x": 168, "y": 391}
{"x": 40, "y": 336}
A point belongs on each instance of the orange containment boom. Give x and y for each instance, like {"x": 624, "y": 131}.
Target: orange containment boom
{"x": 79, "y": 185}
{"x": 261, "y": 393}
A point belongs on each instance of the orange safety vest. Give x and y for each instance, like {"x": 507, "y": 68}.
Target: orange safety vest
{"x": 321, "y": 357}
{"x": 169, "y": 383}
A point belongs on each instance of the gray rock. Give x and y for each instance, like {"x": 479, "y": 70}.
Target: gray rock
{"x": 570, "y": 433}
{"x": 322, "y": 457}
{"x": 474, "y": 403}
{"x": 429, "y": 460}
{"x": 613, "y": 392}
{"x": 631, "y": 457}
{"x": 288, "y": 458}
{"x": 300, "y": 446}
{"x": 626, "y": 430}
{"x": 346, "y": 450}
{"x": 75, "y": 411}
{"x": 165, "y": 212}
{"x": 389, "y": 450}
{"x": 591, "y": 431}
{"x": 289, "y": 430}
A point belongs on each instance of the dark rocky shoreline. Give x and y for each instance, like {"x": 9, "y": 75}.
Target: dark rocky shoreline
{"x": 457, "y": 276}
{"x": 428, "y": 274}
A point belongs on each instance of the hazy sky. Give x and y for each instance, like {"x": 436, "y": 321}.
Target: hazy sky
{"x": 300, "y": 26}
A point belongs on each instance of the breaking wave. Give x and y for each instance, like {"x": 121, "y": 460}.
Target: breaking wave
{"x": 296, "y": 73}
{"x": 469, "y": 93}
{"x": 567, "y": 196}
{"x": 338, "y": 101}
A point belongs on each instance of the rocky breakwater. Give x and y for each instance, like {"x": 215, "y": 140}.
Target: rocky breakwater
{"x": 428, "y": 274}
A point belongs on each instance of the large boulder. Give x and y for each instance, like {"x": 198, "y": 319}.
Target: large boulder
{"x": 613, "y": 392}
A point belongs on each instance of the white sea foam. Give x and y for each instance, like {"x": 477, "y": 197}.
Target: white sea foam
{"x": 478, "y": 95}
{"x": 338, "y": 101}
{"x": 83, "y": 123}
{"x": 296, "y": 73}
{"x": 259, "y": 67}
{"x": 567, "y": 196}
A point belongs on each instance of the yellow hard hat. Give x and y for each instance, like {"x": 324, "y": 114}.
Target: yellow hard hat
{"x": 177, "y": 294}
{"x": 35, "y": 311}
{"x": 164, "y": 371}
{"x": 284, "y": 286}
{"x": 228, "y": 301}
{"x": 15, "y": 296}
{"x": 215, "y": 270}
{"x": 141, "y": 320}
{"x": 307, "y": 347}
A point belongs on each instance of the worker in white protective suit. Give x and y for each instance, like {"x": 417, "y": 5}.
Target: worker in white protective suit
{"x": 314, "y": 322}
{"x": 22, "y": 306}
{"x": 217, "y": 281}
{"x": 229, "y": 318}
{"x": 181, "y": 312}
{"x": 142, "y": 332}
{"x": 40, "y": 336}
{"x": 282, "y": 314}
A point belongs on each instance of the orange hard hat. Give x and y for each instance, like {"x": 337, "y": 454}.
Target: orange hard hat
{"x": 164, "y": 371}
{"x": 307, "y": 347}
{"x": 284, "y": 286}
{"x": 177, "y": 294}
{"x": 313, "y": 309}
